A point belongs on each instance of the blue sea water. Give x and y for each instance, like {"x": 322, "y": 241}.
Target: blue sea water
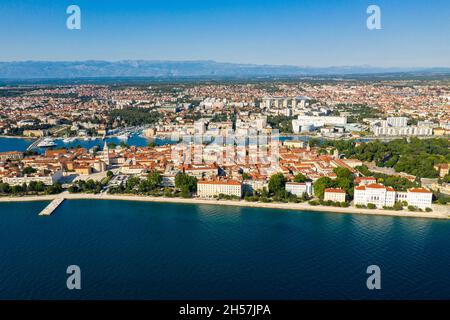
{"x": 133, "y": 250}
{"x": 14, "y": 144}
{"x": 134, "y": 140}
{"x": 21, "y": 144}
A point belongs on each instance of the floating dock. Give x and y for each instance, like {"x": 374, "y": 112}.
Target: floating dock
{"x": 48, "y": 210}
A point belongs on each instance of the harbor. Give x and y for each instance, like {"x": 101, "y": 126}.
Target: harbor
{"x": 25, "y": 144}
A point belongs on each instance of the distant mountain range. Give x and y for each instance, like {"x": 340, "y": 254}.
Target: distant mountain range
{"x": 180, "y": 69}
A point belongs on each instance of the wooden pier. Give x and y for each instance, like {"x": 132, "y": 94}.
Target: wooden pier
{"x": 48, "y": 210}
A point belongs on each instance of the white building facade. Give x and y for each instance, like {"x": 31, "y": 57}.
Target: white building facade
{"x": 334, "y": 194}
{"x": 299, "y": 189}
{"x": 402, "y": 131}
{"x": 382, "y": 196}
{"x": 47, "y": 179}
{"x": 397, "y": 121}
{"x": 417, "y": 197}
{"x": 307, "y": 123}
{"x": 210, "y": 189}
{"x": 376, "y": 194}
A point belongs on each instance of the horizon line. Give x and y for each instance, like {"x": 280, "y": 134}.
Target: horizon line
{"x": 225, "y": 62}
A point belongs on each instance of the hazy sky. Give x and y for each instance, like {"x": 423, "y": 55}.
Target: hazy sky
{"x": 307, "y": 33}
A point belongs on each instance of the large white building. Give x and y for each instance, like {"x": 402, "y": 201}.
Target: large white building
{"x": 299, "y": 189}
{"x": 382, "y": 196}
{"x": 334, "y": 194}
{"x": 279, "y": 102}
{"x": 307, "y": 123}
{"x": 11, "y": 155}
{"x": 45, "y": 179}
{"x": 397, "y": 121}
{"x": 244, "y": 126}
{"x": 417, "y": 197}
{"x": 211, "y": 188}
{"x": 402, "y": 131}
{"x": 376, "y": 194}
{"x": 200, "y": 126}
{"x": 398, "y": 126}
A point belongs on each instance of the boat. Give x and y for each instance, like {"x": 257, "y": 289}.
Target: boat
{"x": 66, "y": 140}
{"x": 123, "y": 136}
{"x": 46, "y": 143}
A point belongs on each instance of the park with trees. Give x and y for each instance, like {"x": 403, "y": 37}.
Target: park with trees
{"x": 414, "y": 156}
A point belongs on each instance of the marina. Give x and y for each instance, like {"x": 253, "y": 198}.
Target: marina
{"x": 26, "y": 144}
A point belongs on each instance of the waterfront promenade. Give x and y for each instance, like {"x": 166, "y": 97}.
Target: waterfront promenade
{"x": 439, "y": 212}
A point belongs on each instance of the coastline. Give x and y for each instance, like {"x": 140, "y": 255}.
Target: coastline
{"x": 443, "y": 213}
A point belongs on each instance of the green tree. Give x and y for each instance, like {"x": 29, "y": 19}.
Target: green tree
{"x": 446, "y": 179}
{"x": 371, "y": 206}
{"x": 54, "y": 189}
{"x": 132, "y": 183}
{"x": 344, "y": 180}
{"x": 154, "y": 179}
{"x": 32, "y": 186}
{"x": 123, "y": 145}
{"x": 300, "y": 178}
{"x": 73, "y": 189}
{"x": 16, "y": 189}
{"x": 185, "y": 193}
{"x": 277, "y": 183}
{"x": 29, "y": 170}
{"x": 321, "y": 184}
{"x": 246, "y": 176}
{"x": 184, "y": 180}
{"x": 5, "y": 188}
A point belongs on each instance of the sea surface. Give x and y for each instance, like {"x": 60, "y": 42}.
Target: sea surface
{"x": 134, "y": 250}
{"x": 14, "y": 144}
{"x": 21, "y": 144}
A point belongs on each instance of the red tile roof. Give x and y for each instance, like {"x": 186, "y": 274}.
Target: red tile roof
{"x": 419, "y": 190}
{"x": 375, "y": 186}
{"x": 334, "y": 190}
{"x": 229, "y": 182}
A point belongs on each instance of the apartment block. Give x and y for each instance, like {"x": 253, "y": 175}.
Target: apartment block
{"x": 212, "y": 188}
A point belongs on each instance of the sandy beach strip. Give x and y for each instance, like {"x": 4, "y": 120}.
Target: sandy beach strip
{"x": 440, "y": 212}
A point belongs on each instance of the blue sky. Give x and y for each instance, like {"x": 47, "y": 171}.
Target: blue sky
{"x": 306, "y": 33}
